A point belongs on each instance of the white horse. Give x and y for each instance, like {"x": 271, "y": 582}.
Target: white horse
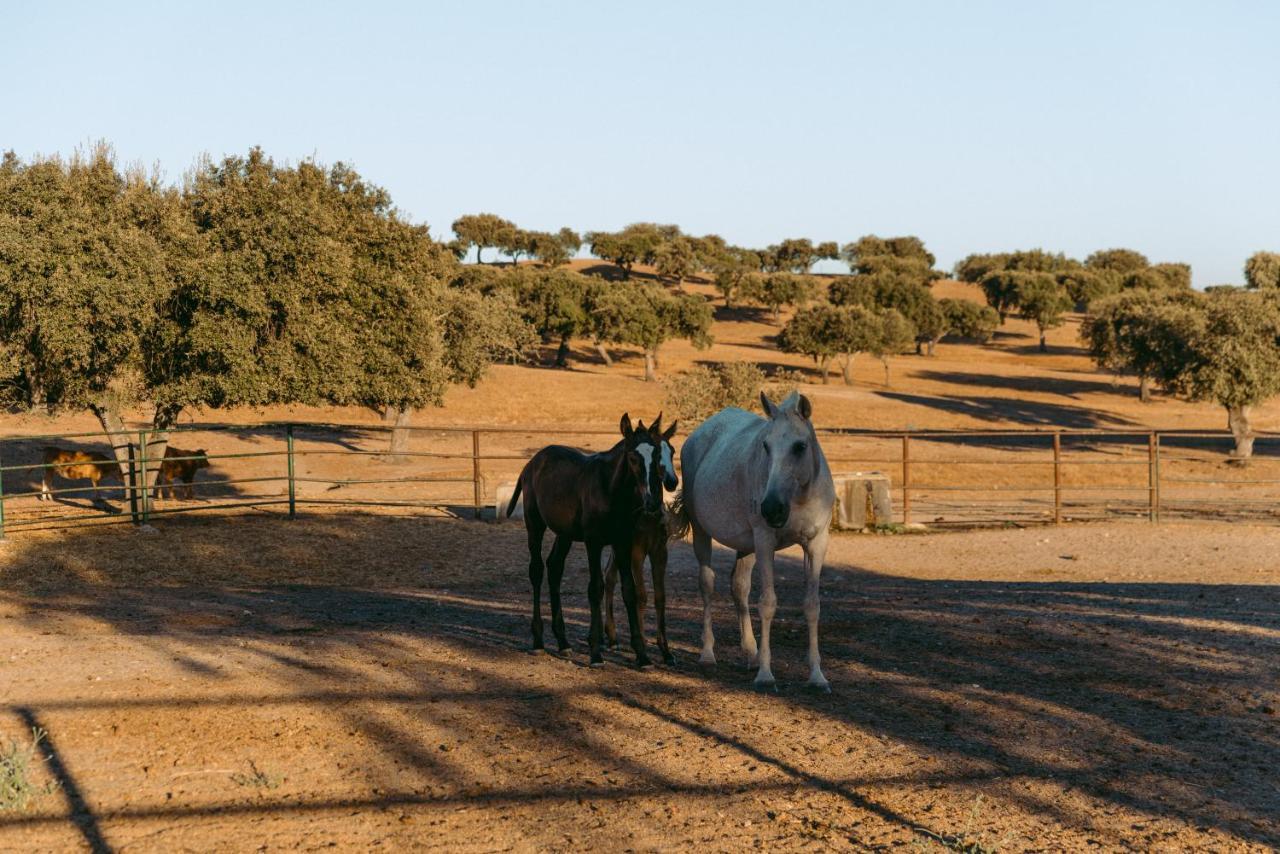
{"x": 758, "y": 485}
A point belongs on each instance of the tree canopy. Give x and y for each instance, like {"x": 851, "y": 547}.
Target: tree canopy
{"x": 1262, "y": 270}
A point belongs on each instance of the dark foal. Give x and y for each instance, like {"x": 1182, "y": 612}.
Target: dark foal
{"x": 594, "y": 499}
{"x": 651, "y": 536}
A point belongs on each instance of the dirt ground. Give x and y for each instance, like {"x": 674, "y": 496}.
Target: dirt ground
{"x": 363, "y": 681}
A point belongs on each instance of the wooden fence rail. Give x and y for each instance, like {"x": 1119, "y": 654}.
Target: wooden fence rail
{"x": 1006, "y": 462}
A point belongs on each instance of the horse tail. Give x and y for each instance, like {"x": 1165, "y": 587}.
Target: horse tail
{"x": 676, "y": 515}
{"x": 515, "y": 496}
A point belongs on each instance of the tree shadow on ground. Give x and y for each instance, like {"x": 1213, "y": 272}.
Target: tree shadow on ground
{"x": 1083, "y": 710}
{"x": 1072, "y": 388}
{"x": 1018, "y": 411}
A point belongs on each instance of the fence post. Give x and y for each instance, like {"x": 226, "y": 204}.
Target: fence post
{"x": 475, "y": 469}
{"x": 288, "y": 438}
{"x": 906, "y": 479}
{"x": 1057, "y": 477}
{"x": 1153, "y": 476}
{"x": 142, "y": 464}
{"x": 1, "y": 499}
{"x": 132, "y": 486}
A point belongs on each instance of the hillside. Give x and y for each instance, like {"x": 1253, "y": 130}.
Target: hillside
{"x": 1006, "y": 383}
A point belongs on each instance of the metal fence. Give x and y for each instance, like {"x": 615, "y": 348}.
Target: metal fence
{"x": 955, "y": 477}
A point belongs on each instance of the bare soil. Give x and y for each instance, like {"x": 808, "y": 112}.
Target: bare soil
{"x": 363, "y": 680}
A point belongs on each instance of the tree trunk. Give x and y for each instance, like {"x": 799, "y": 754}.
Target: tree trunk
{"x": 933, "y": 343}
{"x": 919, "y": 347}
{"x": 1044, "y": 348}
{"x": 1238, "y": 422}
{"x": 1144, "y": 388}
{"x": 650, "y": 366}
{"x": 847, "y": 369}
{"x": 824, "y": 365}
{"x": 158, "y": 442}
{"x": 604, "y": 355}
{"x": 562, "y": 353}
{"x": 400, "y": 432}
{"x": 885, "y": 359}
{"x": 121, "y": 445}
{"x": 777, "y": 314}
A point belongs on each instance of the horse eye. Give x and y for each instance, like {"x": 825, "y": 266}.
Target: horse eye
{"x": 799, "y": 448}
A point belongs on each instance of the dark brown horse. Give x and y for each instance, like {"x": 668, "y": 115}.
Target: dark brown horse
{"x": 651, "y": 537}
{"x": 595, "y": 499}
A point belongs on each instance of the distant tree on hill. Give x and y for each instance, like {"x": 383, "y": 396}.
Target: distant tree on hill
{"x": 897, "y": 336}
{"x": 906, "y": 254}
{"x": 638, "y": 243}
{"x": 1160, "y": 277}
{"x": 779, "y": 289}
{"x": 1137, "y": 332}
{"x": 647, "y": 316}
{"x": 731, "y": 267}
{"x": 1041, "y": 300}
{"x": 1262, "y": 270}
{"x": 1001, "y": 290}
{"x": 1233, "y": 359}
{"x": 1085, "y": 284}
{"x": 676, "y": 259}
{"x": 1122, "y": 261}
{"x": 969, "y": 320}
{"x": 797, "y": 255}
{"x": 812, "y": 332}
{"x": 482, "y": 230}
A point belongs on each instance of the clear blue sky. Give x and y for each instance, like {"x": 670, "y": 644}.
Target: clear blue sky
{"x": 978, "y": 126}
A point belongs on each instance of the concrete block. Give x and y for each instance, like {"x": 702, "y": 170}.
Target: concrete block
{"x": 862, "y": 501}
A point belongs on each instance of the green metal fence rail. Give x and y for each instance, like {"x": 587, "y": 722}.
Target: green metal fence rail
{"x": 1032, "y": 476}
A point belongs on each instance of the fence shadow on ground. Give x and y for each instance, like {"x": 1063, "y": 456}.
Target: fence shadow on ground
{"x": 1061, "y": 702}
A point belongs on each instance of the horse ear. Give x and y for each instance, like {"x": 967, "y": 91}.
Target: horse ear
{"x": 805, "y": 407}
{"x": 770, "y": 408}
{"x": 625, "y": 425}
{"x": 671, "y": 431}
{"x": 640, "y": 428}
{"x": 656, "y": 426}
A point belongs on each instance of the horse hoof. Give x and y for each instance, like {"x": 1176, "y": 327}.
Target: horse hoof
{"x": 819, "y": 687}
{"x": 707, "y": 659}
{"x": 644, "y": 666}
{"x": 669, "y": 660}
{"x": 599, "y": 663}
{"x": 766, "y": 684}
{"x": 537, "y": 650}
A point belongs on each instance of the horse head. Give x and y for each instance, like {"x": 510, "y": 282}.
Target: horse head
{"x": 643, "y": 454}
{"x": 789, "y": 446}
{"x": 667, "y": 453}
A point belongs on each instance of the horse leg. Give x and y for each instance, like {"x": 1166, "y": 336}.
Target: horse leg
{"x": 44, "y": 485}
{"x": 768, "y": 607}
{"x": 555, "y": 571}
{"x": 632, "y": 599}
{"x": 658, "y": 566}
{"x": 741, "y": 599}
{"x": 610, "y": 584}
{"x": 707, "y": 578}
{"x": 814, "y": 554}
{"x": 535, "y": 528}
{"x": 595, "y": 586}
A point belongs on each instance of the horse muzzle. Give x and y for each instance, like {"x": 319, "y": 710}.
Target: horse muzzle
{"x": 774, "y": 511}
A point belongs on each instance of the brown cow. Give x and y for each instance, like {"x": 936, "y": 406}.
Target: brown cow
{"x": 75, "y": 465}
{"x": 171, "y": 469}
